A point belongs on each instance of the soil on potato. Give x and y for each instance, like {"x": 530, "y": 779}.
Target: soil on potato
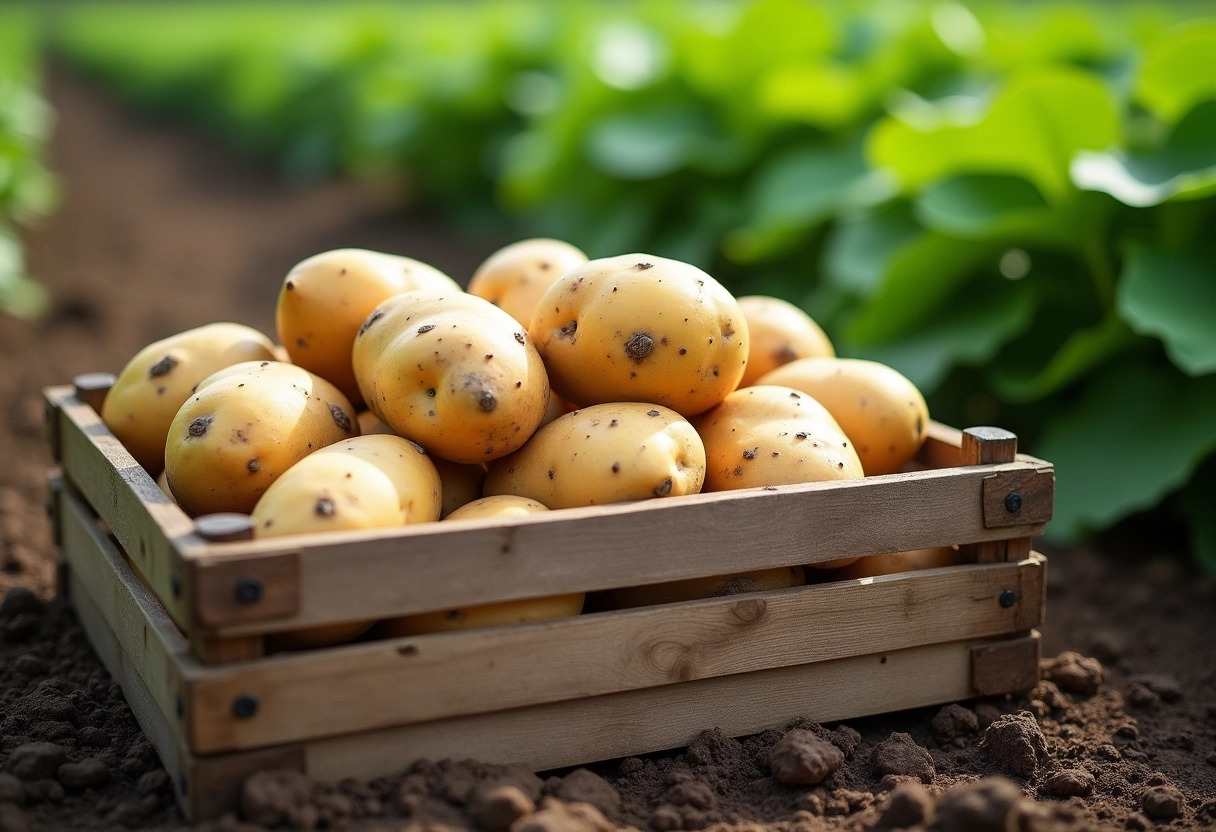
{"x": 159, "y": 231}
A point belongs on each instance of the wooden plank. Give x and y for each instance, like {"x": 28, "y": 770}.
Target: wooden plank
{"x": 249, "y": 589}
{"x": 942, "y": 446}
{"x": 92, "y": 388}
{"x": 350, "y": 576}
{"x": 987, "y": 446}
{"x": 1015, "y": 498}
{"x": 146, "y": 522}
{"x": 358, "y": 687}
{"x": 605, "y": 727}
{"x": 1010, "y": 666}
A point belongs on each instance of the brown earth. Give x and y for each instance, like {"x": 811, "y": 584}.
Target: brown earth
{"x": 159, "y": 231}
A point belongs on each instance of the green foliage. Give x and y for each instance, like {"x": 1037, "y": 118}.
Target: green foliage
{"x": 26, "y": 189}
{"x": 1013, "y": 204}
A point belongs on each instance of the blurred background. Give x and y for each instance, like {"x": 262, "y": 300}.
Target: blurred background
{"x": 1014, "y": 204}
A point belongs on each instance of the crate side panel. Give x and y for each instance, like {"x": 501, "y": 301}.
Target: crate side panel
{"x": 145, "y": 521}
{"x": 359, "y": 687}
{"x": 419, "y": 569}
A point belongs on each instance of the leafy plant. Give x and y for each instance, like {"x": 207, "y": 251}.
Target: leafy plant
{"x": 1011, "y": 204}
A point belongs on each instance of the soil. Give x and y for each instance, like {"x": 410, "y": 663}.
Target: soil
{"x": 159, "y": 231}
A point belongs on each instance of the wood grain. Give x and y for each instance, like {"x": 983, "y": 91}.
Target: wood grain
{"x": 359, "y": 687}
{"x": 988, "y": 446}
{"x": 1018, "y": 497}
{"x": 1010, "y": 666}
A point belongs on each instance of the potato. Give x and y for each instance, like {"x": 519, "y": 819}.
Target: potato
{"x": 488, "y": 615}
{"x": 769, "y": 435}
{"x": 695, "y": 588}
{"x": 607, "y": 453}
{"x": 779, "y": 333}
{"x": 515, "y": 277}
{"x": 245, "y": 426}
{"x": 639, "y": 328}
{"x": 502, "y": 505}
{"x": 325, "y": 299}
{"x": 895, "y": 562}
{"x": 461, "y": 482}
{"x": 880, "y": 410}
{"x": 453, "y": 372}
{"x": 366, "y": 482}
{"x": 155, "y": 383}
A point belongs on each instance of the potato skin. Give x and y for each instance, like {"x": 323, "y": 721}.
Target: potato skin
{"x": 499, "y": 506}
{"x": 607, "y": 453}
{"x": 453, "y": 372}
{"x": 515, "y": 277}
{"x": 880, "y": 410}
{"x": 159, "y": 379}
{"x": 366, "y": 482}
{"x": 696, "y": 588}
{"x": 245, "y": 426}
{"x": 325, "y": 299}
{"x": 780, "y": 332}
{"x": 487, "y": 615}
{"x": 639, "y": 328}
{"x": 770, "y": 435}
{"x": 895, "y": 562}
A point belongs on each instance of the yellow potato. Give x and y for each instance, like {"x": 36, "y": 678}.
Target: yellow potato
{"x": 639, "y": 328}
{"x": 695, "y": 588}
{"x": 607, "y": 453}
{"x": 488, "y": 615}
{"x": 878, "y": 408}
{"x": 245, "y": 426}
{"x": 461, "y": 482}
{"x": 894, "y": 562}
{"x": 780, "y": 333}
{"x": 155, "y": 383}
{"x": 325, "y": 299}
{"x": 453, "y": 372}
{"x": 770, "y": 435}
{"x": 366, "y": 482}
{"x": 502, "y": 505}
{"x": 515, "y": 277}
{"x": 325, "y": 635}
{"x": 162, "y": 482}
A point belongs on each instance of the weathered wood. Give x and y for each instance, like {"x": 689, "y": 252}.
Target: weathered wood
{"x": 152, "y": 529}
{"x": 1015, "y": 498}
{"x": 255, "y": 588}
{"x": 989, "y": 446}
{"x": 348, "y": 576}
{"x": 1010, "y": 666}
{"x": 224, "y": 527}
{"x": 227, "y": 650}
{"x": 942, "y": 446}
{"x": 91, "y": 388}
{"x": 446, "y": 675}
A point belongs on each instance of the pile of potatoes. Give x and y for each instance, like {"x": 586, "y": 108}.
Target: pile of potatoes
{"x": 392, "y": 396}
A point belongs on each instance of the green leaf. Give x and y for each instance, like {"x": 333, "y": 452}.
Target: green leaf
{"x": 1080, "y": 353}
{"x": 1195, "y": 503}
{"x": 916, "y": 283}
{"x": 1172, "y": 295}
{"x": 1179, "y": 70}
{"x": 1183, "y": 168}
{"x": 969, "y": 331}
{"x": 860, "y": 244}
{"x": 1036, "y": 124}
{"x": 645, "y": 145}
{"x": 981, "y": 205}
{"x": 1135, "y": 435}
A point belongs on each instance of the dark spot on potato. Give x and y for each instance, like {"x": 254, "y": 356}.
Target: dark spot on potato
{"x": 518, "y": 384}
{"x": 301, "y": 343}
{"x": 612, "y": 424}
{"x": 371, "y": 319}
{"x": 738, "y": 472}
{"x": 663, "y": 488}
{"x": 289, "y": 285}
{"x": 325, "y": 507}
{"x": 639, "y": 347}
{"x": 162, "y": 367}
{"x": 487, "y": 402}
{"x": 700, "y": 282}
{"x": 616, "y": 467}
{"x": 551, "y": 473}
{"x": 633, "y": 375}
{"x": 614, "y": 288}
{"x": 160, "y": 390}
{"x": 545, "y": 265}
{"x": 801, "y": 434}
{"x": 253, "y": 466}
{"x": 785, "y": 355}
{"x": 199, "y": 426}
{"x": 728, "y": 330}
{"x": 264, "y": 364}
{"x": 652, "y": 413}
{"x": 844, "y": 444}
{"x": 795, "y": 396}
{"x": 750, "y": 453}
{"x": 715, "y": 371}
{"x": 683, "y": 351}
{"x": 663, "y": 340}
{"x": 711, "y": 340}
{"x": 343, "y": 271}
{"x": 920, "y": 426}
{"x": 340, "y": 418}
{"x": 425, "y": 328}
{"x": 776, "y": 454}
{"x": 489, "y": 355}
{"x": 568, "y": 330}
{"x": 430, "y": 391}
{"x": 840, "y": 465}
{"x": 644, "y": 266}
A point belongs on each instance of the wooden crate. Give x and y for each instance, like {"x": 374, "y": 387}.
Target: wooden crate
{"x": 181, "y": 618}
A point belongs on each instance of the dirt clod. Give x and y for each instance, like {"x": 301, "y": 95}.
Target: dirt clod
{"x": 1070, "y": 782}
{"x": 909, "y": 804}
{"x": 583, "y": 786}
{"x": 1015, "y": 743}
{"x": 952, "y": 722}
{"x": 988, "y": 805}
{"x": 1162, "y": 803}
{"x": 899, "y": 754}
{"x": 1074, "y": 673}
{"x": 11, "y": 790}
{"x": 279, "y": 796}
{"x": 36, "y": 760}
{"x": 18, "y": 601}
{"x": 495, "y": 809}
{"x": 85, "y": 774}
{"x": 12, "y": 819}
{"x": 802, "y": 758}
{"x": 1164, "y": 685}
